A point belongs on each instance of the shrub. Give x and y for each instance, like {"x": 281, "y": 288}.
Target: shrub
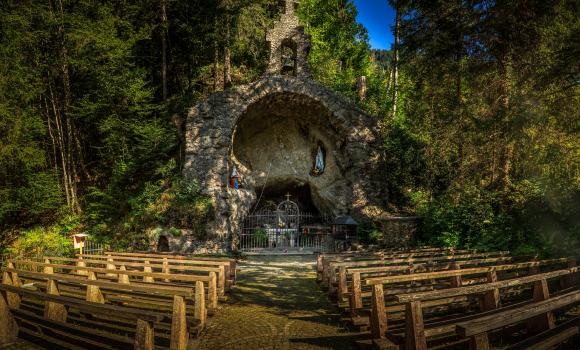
{"x": 51, "y": 240}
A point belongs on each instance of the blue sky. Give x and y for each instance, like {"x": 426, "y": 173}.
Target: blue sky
{"x": 378, "y": 17}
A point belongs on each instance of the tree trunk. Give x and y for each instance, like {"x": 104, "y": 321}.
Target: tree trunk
{"x": 396, "y": 60}
{"x": 61, "y": 143}
{"x": 65, "y": 128}
{"x": 215, "y": 60}
{"x": 227, "y": 54}
{"x": 507, "y": 147}
{"x": 164, "y": 49}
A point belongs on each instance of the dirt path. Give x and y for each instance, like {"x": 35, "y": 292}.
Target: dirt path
{"x": 276, "y": 304}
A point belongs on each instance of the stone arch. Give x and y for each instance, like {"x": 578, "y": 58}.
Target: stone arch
{"x": 210, "y": 139}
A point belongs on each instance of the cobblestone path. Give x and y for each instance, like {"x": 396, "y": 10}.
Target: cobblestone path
{"x": 276, "y": 304}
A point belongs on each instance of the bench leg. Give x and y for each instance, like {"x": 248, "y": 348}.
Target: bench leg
{"x": 166, "y": 269}
{"x": 124, "y": 279}
{"x": 199, "y": 303}
{"x": 212, "y": 291}
{"x": 222, "y": 280}
{"x": 148, "y": 269}
{"x": 54, "y": 311}
{"x": 545, "y": 321}
{"x": 342, "y": 288}
{"x": 145, "y": 336}
{"x": 378, "y": 316}
{"x": 356, "y": 296}
{"x": 479, "y": 342}
{"x": 319, "y": 268}
{"x": 111, "y": 267}
{"x": 414, "y": 327}
{"x": 94, "y": 293}
{"x": 8, "y": 325}
{"x": 491, "y": 298}
{"x": 179, "y": 333}
{"x": 571, "y": 279}
{"x": 11, "y": 279}
{"x": 81, "y": 272}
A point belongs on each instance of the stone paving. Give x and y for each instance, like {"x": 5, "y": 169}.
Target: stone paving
{"x": 276, "y": 304}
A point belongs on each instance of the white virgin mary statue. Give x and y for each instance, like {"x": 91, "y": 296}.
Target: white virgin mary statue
{"x": 319, "y": 162}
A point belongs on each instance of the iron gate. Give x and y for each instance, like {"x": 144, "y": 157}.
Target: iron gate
{"x": 285, "y": 229}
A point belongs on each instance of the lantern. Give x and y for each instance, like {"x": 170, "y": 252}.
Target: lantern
{"x": 79, "y": 241}
{"x": 345, "y": 227}
{"x": 344, "y": 232}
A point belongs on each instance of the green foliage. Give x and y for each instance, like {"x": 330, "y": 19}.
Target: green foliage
{"x": 375, "y": 236}
{"x": 484, "y": 144}
{"x": 175, "y": 232}
{"x": 260, "y": 236}
{"x": 467, "y": 219}
{"x": 47, "y": 240}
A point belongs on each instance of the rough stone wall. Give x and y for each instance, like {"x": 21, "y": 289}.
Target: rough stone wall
{"x": 398, "y": 231}
{"x": 209, "y": 156}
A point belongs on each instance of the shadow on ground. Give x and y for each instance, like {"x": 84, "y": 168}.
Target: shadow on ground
{"x": 277, "y": 304}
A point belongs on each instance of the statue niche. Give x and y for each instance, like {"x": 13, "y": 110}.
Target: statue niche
{"x": 319, "y": 160}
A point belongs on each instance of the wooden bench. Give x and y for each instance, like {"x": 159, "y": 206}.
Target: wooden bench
{"x": 52, "y": 327}
{"x": 416, "y": 332}
{"x": 169, "y": 263}
{"x": 324, "y": 258}
{"x": 378, "y": 316}
{"x": 537, "y": 315}
{"x": 231, "y": 263}
{"x": 355, "y": 274}
{"x": 145, "y": 296}
{"x": 330, "y": 268}
{"x": 123, "y": 276}
{"x": 146, "y": 266}
{"x": 354, "y": 295}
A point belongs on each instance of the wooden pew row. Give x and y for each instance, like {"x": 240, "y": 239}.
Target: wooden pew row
{"x": 124, "y": 276}
{"x": 54, "y": 330}
{"x": 169, "y": 263}
{"x": 321, "y": 257}
{"x": 538, "y": 317}
{"x": 146, "y": 296}
{"x": 232, "y": 262}
{"x": 170, "y": 259}
{"x": 378, "y": 308}
{"x": 330, "y": 275}
{"x": 330, "y": 266}
{"x": 417, "y": 330}
{"x": 352, "y": 275}
{"x": 403, "y": 253}
{"x": 146, "y": 266}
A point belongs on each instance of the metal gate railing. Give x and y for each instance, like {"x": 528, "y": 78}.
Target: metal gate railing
{"x": 285, "y": 241}
{"x": 285, "y": 228}
{"x": 95, "y": 248}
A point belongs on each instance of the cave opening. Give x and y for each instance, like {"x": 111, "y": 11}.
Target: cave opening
{"x": 283, "y": 144}
{"x": 294, "y": 190}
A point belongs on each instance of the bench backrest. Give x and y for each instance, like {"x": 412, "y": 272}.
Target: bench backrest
{"x": 461, "y": 272}
{"x": 482, "y": 288}
{"x": 56, "y": 311}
